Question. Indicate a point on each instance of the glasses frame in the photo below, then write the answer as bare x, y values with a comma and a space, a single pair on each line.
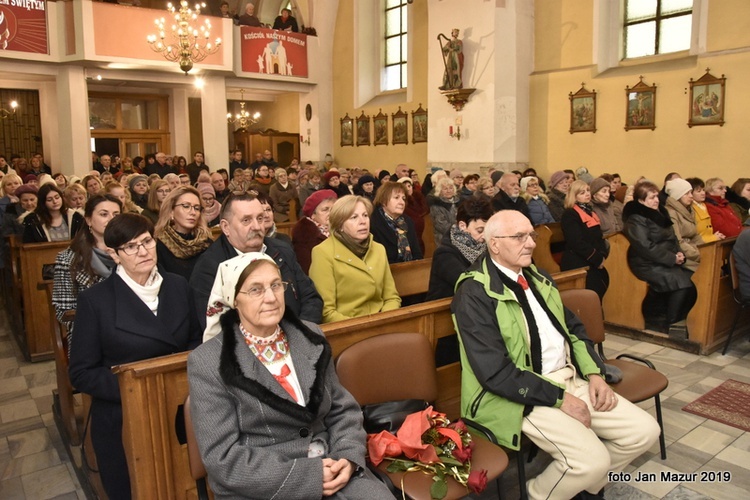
187, 207
259, 293
148, 244
521, 237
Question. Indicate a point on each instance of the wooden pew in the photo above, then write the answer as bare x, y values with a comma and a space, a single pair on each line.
710, 319
550, 236
412, 278
152, 391
35, 339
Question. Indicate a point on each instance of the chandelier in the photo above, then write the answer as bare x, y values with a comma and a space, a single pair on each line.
244, 119
189, 44
5, 113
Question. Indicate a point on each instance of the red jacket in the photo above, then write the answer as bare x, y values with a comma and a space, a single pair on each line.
723, 218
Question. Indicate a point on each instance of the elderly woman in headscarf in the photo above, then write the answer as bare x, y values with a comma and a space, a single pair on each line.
270, 416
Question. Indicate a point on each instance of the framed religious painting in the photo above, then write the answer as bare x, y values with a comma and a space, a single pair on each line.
400, 130
380, 124
347, 131
640, 111
419, 125
707, 100
582, 110
363, 130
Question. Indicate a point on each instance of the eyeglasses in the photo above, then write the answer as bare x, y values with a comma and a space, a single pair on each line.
257, 292
521, 237
133, 248
163, 191
187, 207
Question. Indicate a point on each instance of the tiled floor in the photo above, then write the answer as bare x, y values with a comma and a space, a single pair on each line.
34, 464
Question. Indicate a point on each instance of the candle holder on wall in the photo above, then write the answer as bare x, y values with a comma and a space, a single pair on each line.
456, 134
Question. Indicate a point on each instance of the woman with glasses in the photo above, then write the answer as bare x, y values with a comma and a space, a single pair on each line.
270, 416
137, 313
723, 218
158, 192
536, 200
52, 220
181, 232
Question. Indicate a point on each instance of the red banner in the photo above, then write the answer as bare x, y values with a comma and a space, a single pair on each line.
23, 26
273, 52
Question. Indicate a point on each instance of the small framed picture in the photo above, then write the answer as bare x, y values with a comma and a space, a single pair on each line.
582, 110
380, 123
400, 130
707, 100
347, 131
363, 130
419, 125
640, 111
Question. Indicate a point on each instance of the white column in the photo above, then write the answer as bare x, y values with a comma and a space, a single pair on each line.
214, 111
180, 124
72, 114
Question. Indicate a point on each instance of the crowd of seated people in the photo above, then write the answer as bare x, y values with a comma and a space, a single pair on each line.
340, 241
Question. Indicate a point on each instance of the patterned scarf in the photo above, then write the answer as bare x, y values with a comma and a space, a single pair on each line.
465, 244
398, 226
358, 248
182, 246
324, 229
212, 212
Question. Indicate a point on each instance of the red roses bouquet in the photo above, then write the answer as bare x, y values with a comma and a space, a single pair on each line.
429, 442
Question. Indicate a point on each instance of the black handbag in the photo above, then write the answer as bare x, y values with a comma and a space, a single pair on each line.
390, 415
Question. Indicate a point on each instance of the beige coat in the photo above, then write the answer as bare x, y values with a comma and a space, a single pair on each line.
683, 221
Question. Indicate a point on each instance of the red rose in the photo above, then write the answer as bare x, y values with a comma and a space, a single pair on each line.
462, 454
459, 426
477, 481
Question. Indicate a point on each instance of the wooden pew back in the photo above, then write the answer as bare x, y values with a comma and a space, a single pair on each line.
412, 278
710, 319
153, 389
550, 237
36, 341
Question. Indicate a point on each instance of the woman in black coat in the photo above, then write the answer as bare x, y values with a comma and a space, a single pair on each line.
391, 228
654, 256
585, 245
135, 314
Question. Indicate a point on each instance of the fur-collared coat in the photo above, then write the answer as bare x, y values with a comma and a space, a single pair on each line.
653, 248
254, 437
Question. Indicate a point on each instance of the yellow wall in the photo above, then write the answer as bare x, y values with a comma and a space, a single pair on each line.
562, 63
378, 157
281, 115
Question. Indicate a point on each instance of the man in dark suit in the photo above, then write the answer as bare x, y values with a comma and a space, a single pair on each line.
160, 167
242, 225
237, 162
248, 18
105, 165
509, 195
194, 168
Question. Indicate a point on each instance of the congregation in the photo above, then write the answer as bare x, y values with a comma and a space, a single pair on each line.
349, 225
